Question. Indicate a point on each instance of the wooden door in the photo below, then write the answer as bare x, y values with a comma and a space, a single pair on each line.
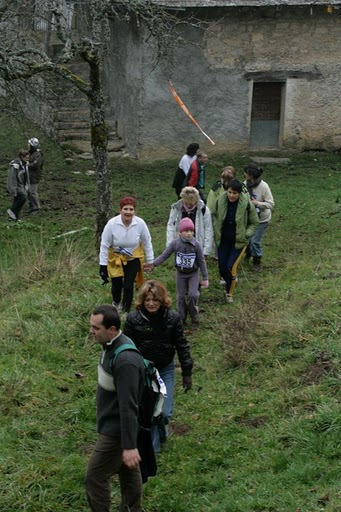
266, 114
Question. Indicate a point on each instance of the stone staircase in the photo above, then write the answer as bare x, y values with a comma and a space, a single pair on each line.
72, 120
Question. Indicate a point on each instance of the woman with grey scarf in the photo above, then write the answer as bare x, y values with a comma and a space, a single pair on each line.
190, 205
261, 197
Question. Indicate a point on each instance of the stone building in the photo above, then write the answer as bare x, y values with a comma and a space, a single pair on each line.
255, 74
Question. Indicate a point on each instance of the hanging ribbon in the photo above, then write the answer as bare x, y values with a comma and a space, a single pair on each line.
187, 112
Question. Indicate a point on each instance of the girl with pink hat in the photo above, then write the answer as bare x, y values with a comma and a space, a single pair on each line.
189, 260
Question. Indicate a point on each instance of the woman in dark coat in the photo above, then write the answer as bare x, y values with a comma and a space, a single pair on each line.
157, 331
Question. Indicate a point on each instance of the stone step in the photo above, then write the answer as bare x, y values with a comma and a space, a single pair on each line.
84, 146
68, 114
79, 133
70, 102
80, 145
73, 125
70, 135
115, 145
270, 160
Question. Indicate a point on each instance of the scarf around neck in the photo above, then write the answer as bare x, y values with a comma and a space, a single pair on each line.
254, 184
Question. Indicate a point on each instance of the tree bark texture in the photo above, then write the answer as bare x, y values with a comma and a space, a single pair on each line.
99, 143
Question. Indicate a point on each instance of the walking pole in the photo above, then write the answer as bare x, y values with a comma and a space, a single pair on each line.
234, 270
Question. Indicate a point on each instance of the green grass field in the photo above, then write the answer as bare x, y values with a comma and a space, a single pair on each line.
261, 429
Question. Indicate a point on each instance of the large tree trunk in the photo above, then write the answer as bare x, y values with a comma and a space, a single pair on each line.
99, 143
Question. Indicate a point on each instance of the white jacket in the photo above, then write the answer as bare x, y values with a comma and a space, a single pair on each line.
263, 195
116, 235
203, 225
185, 163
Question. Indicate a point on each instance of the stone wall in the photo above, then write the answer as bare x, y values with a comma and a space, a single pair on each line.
214, 73
288, 41
124, 84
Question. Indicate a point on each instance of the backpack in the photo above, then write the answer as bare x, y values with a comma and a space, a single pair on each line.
150, 409
154, 391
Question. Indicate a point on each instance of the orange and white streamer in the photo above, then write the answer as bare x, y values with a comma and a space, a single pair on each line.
187, 112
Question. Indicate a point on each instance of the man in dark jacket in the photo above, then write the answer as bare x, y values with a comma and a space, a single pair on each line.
35, 167
18, 184
119, 393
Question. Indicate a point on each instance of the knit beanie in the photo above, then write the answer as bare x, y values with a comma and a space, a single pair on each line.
186, 224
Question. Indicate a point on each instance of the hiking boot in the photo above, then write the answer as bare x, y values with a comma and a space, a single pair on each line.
257, 267
117, 305
11, 214
228, 298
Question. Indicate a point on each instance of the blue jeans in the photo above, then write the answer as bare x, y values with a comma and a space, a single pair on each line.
256, 240
167, 374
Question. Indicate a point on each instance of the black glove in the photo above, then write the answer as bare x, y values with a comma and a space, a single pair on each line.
103, 272
187, 382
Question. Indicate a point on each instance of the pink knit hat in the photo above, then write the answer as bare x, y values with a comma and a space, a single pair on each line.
186, 224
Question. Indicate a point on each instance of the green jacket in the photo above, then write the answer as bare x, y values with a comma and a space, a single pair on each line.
246, 219
216, 191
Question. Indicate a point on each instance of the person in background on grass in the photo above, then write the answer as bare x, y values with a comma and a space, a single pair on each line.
196, 173
189, 259
35, 167
183, 167
220, 186
18, 182
235, 220
157, 331
124, 241
119, 393
262, 199
190, 205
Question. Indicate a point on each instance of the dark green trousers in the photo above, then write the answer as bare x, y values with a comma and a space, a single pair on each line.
105, 461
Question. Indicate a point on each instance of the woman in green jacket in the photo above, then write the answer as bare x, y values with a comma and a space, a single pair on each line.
220, 186
234, 222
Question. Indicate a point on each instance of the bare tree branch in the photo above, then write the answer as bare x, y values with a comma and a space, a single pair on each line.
25, 54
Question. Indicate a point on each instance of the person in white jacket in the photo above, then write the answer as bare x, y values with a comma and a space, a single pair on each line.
190, 205
261, 197
124, 243
183, 167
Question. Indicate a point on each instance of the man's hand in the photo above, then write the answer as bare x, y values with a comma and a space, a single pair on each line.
131, 458
204, 283
186, 382
103, 272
